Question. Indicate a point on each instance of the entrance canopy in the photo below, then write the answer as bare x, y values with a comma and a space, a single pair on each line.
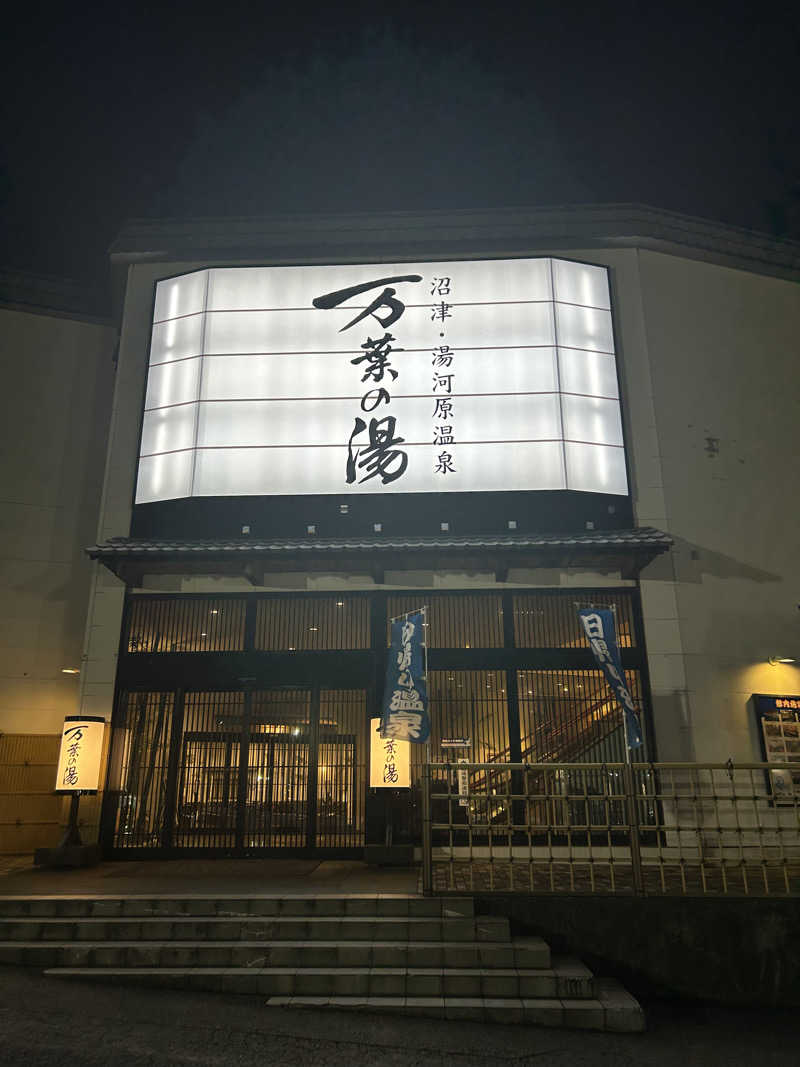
626, 551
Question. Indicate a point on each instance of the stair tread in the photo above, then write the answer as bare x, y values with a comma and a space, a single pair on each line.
499, 972
208, 942
27, 898
549, 1011
322, 919
589, 1003
63, 971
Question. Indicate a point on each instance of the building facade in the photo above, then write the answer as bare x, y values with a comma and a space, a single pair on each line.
321, 424
58, 364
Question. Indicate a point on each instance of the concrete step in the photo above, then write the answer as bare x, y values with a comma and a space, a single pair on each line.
277, 928
612, 1008
234, 906
569, 980
526, 953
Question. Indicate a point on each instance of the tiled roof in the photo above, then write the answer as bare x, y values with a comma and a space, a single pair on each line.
643, 538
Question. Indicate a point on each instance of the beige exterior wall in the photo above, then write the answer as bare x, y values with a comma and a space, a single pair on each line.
58, 377
722, 346
108, 592
31, 815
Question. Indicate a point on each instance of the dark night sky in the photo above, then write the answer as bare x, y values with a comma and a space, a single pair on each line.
159, 109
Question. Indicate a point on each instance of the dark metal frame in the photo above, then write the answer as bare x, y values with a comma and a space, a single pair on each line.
166, 848
363, 669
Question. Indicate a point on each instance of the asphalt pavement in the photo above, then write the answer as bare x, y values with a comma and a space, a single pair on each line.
46, 1021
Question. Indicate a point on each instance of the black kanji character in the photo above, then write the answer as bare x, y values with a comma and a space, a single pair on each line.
386, 299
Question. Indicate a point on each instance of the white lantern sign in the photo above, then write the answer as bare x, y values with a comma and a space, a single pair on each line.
389, 760
462, 376
80, 754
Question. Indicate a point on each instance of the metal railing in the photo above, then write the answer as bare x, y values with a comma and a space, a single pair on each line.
689, 829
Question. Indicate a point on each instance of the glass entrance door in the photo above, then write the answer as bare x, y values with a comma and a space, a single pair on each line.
245, 772
275, 811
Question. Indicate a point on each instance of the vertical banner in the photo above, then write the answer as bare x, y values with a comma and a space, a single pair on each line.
602, 636
80, 754
463, 783
404, 714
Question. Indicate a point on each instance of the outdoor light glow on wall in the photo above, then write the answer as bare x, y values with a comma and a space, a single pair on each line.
382, 378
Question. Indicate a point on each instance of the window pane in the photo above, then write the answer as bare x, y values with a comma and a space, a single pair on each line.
596, 468
581, 283
189, 624
309, 623
590, 373
572, 716
592, 419
455, 621
584, 328
550, 620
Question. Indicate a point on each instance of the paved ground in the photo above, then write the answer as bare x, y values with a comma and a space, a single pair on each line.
49, 1021
44, 1021
269, 876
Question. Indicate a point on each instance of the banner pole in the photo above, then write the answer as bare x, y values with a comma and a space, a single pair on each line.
425, 668
72, 835
610, 662
409, 646
628, 760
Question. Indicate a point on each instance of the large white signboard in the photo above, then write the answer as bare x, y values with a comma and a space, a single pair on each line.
382, 378
80, 753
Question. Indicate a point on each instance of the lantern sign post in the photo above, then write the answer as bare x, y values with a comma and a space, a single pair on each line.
389, 760
78, 772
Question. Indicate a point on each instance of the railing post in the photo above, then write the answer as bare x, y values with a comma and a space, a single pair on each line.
633, 824
427, 857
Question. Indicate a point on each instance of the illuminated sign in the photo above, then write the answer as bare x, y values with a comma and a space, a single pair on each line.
382, 378
79, 757
463, 783
779, 717
389, 760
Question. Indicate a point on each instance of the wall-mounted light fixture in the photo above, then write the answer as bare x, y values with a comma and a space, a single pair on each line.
70, 670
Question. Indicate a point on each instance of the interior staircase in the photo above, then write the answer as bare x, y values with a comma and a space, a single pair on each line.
383, 953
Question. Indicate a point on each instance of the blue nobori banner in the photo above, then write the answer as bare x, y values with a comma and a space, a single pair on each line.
405, 702
602, 635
